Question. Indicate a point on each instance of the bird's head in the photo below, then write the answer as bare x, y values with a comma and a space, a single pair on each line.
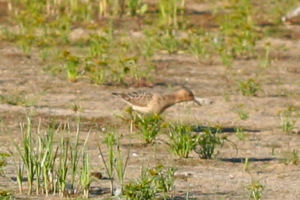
185, 94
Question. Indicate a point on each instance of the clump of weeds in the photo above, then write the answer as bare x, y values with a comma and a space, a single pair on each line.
137, 7
266, 60
208, 141
238, 34
291, 157
17, 98
242, 113
154, 182
169, 10
255, 190
287, 119
51, 167
148, 126
201, 46
3, 162
240, 133
115, 163
250, 87
72, 64
169, 42
182, 141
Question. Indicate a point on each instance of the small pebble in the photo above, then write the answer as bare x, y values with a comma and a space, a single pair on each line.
135, 155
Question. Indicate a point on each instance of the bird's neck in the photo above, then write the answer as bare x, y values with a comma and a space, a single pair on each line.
169, 100
172, 99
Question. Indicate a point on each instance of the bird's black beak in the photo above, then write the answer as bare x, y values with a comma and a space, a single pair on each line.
197, 102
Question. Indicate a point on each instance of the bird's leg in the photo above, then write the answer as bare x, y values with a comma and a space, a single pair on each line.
131, 129
129, 110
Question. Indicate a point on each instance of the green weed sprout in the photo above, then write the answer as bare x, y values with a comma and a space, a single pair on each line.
255, 190
85, 178
149, 126
250, 87
152, 183
27, 154
207, 143
287, 122
115, 163
182, 142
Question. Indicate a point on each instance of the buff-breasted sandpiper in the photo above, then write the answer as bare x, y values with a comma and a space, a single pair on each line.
152, 102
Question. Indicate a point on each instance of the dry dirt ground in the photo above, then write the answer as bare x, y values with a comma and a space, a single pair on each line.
222, 178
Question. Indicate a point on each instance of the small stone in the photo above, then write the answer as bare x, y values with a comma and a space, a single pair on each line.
118, 192
135, 155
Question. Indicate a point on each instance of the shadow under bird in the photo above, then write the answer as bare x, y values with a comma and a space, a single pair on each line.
152, 102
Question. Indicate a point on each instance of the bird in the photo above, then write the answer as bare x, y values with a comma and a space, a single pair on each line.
156, 103
292, 17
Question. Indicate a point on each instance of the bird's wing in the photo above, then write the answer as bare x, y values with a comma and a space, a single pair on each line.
137, 98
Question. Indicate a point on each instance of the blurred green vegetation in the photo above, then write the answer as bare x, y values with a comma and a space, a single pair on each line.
113, 41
